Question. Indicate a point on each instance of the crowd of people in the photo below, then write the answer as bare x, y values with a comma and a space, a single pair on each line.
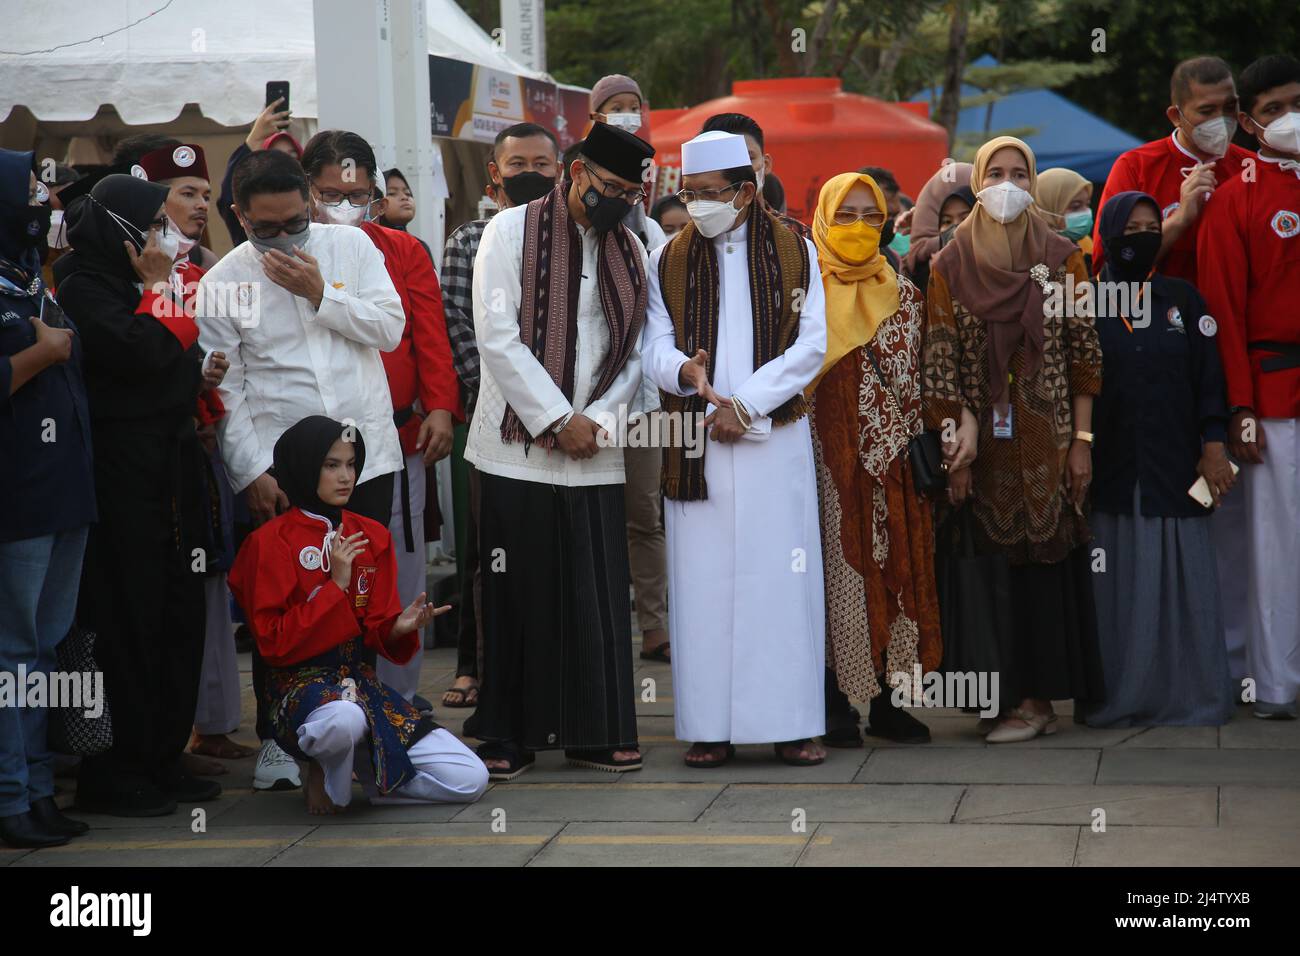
984, 432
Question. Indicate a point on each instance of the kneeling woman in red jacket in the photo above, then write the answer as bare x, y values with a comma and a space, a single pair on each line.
319, 585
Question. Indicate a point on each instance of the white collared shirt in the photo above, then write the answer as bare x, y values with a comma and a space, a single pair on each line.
511, 374
288, 360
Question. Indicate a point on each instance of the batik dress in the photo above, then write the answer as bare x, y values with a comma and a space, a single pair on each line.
882, 613
312, 633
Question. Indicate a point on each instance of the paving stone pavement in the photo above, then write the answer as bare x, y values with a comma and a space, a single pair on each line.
1179, 796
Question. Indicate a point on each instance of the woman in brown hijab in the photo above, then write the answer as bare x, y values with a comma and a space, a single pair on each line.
1011, 367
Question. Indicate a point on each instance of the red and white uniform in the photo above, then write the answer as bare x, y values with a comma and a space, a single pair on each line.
296, 611
1156, 168
1249, 259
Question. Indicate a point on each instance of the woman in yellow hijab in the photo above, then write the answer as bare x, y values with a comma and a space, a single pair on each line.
882, 615
1064, 198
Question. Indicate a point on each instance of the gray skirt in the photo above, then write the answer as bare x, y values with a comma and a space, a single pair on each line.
1159, 623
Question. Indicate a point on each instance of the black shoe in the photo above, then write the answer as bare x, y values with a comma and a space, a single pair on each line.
122, 795
23, 832
46, 813
894, 723
185, 787
422, 705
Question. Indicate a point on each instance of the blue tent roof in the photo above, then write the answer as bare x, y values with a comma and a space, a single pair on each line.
1068, 135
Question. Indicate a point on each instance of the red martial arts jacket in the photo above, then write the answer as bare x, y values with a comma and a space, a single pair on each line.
1155, 168
420, 367
295, 609
1249, 260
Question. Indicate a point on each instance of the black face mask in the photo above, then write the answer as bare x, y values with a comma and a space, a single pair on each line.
30, 226
887, 231
523, 188
1132, 256
605, 213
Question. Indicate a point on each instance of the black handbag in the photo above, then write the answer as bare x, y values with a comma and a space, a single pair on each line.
71, 731
924, 453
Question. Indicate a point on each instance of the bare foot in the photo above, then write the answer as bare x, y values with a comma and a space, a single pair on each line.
318, 801
621, 755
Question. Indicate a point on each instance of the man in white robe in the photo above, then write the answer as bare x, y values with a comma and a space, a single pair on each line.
746, 607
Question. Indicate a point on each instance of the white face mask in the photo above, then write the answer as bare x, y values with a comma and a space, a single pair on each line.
1213, 136
1004, 201
183, 242
57, 238
628, 121
169, 243
712, 217
344, 214
758, 174
1283, 134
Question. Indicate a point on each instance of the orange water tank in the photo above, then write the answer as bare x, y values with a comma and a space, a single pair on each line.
812, 129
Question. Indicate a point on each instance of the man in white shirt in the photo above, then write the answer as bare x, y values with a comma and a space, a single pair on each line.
560, 293
302, 311
736, 329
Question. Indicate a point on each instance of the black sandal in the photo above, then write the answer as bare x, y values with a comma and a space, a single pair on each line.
796, 761
710, 764
847, 736
660, 654
603, 760
518, 759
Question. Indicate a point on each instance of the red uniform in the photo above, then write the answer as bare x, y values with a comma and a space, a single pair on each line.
1249, 260
420, 367
1155, 169
296, 611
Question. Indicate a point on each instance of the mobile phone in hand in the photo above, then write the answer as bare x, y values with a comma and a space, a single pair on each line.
277, 89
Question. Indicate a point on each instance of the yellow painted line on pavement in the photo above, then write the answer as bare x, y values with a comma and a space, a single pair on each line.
684, 839
506, 839
200, 843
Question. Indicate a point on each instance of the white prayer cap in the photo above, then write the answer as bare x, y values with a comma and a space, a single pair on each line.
712, 151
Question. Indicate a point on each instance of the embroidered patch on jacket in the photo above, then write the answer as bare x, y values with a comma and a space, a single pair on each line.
1285, 223
365, 578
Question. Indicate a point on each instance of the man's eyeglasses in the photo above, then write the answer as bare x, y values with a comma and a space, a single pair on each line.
630, 196
332, 197
844, 217
270, 230
706, 195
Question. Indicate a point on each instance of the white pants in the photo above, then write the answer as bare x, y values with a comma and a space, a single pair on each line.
1230, 530
412, 572
217, 711
446, 770
1273, 606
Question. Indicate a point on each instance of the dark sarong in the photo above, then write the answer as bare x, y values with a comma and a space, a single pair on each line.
557, 619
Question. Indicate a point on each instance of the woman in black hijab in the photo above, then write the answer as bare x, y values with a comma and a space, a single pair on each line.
142, 590
1160, 425
297, 459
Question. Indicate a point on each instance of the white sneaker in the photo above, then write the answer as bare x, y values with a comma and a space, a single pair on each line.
275, 770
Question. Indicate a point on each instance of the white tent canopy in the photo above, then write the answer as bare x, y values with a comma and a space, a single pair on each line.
216, 54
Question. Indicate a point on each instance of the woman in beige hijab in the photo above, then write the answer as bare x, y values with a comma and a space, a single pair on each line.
1063, 199
1010, 372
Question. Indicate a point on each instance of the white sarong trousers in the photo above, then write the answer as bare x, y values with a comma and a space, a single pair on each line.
448, 771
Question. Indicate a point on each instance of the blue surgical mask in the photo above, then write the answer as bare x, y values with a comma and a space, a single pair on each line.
1077, 224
